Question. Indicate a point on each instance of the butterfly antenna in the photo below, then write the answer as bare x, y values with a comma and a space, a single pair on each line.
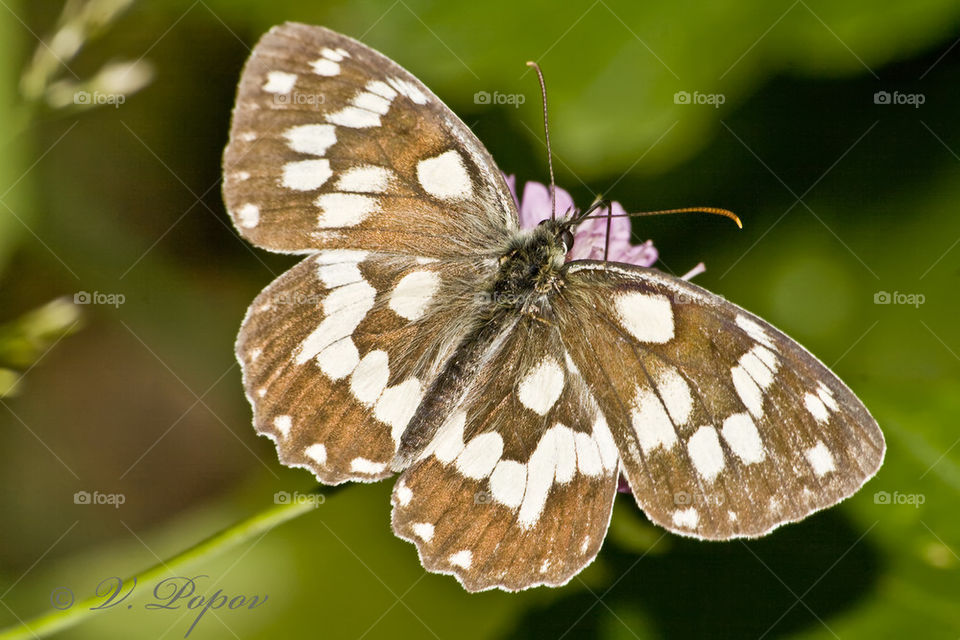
546, 135
712, 210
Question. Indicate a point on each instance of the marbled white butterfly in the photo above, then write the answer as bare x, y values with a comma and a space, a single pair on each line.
424, 334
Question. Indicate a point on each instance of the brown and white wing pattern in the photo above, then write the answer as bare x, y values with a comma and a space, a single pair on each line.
337, 352
517, 487
725, 426
333, 145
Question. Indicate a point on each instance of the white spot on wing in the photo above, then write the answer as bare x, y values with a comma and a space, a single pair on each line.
743, 438
675, 393
755, 331
370, 377
566, 453
588, 455
686, 518
481, 455
541, 469
317, 452
382, 89
325, 67
651, 422
365, 179
508, 481
816, 408
408, 89
279, 82
706, 453
541, 386
306, 175
249, 216
445, 176
314, 139
404, 494
344, 308
449, 442
826, 396
283, 424
339, 274
462, 559
331, 54
423, 530
820, 459
413, 294
362, 465
609, 454
397, 405
343, 209
757, 362
371, 102
339, 359
648, 317
747, 389
354, 117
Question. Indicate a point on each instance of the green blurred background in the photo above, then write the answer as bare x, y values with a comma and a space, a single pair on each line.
842, 196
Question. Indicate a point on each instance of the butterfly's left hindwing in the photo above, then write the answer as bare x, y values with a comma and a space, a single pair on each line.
337, 352
726, 427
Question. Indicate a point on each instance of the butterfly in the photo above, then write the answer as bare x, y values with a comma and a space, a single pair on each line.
426, 334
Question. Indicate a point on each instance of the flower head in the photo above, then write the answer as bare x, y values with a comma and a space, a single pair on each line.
590, 236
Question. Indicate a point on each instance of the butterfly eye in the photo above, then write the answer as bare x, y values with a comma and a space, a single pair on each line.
566, 237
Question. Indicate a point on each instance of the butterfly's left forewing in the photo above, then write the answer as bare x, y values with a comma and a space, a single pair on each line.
333, 145
726, 427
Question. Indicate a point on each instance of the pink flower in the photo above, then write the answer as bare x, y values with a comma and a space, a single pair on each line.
589, 236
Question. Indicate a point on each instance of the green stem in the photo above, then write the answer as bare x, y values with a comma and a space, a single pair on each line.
56, 620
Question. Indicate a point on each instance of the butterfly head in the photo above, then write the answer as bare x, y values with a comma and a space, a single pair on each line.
531, 266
